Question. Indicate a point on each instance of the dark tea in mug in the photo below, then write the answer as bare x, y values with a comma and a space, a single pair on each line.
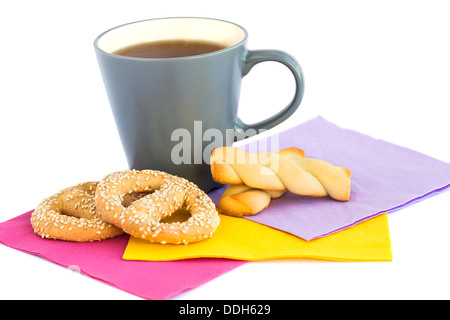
169, 49
174, 85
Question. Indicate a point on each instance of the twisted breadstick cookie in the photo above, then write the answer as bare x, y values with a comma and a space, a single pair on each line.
241, 200
273, 173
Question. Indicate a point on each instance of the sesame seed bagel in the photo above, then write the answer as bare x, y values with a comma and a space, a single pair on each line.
71, 215
157, 195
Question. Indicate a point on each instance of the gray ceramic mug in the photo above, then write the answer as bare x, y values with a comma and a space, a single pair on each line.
165, 109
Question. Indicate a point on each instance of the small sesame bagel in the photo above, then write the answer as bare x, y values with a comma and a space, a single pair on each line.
157, 195
71, 215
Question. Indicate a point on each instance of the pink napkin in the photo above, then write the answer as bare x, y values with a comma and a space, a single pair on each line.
385, 177
103, 261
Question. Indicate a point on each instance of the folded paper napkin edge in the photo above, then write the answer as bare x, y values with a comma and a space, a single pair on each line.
331, 248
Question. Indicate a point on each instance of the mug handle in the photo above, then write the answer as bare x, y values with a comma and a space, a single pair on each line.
254, 57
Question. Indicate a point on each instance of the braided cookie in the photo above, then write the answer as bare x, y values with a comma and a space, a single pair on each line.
71, 215
276, 173
159, 195
241, 200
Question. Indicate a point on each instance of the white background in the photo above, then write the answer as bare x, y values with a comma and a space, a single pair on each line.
378, 67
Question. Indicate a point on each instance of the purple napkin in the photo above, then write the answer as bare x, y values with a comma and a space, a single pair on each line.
385, 178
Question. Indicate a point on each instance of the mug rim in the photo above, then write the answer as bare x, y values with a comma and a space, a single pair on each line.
229, 48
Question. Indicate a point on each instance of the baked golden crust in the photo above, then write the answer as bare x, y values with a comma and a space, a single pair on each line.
242, 200
71, 215
165, 195
287, 169
253, 174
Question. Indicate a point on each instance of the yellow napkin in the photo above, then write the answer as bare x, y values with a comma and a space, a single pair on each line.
242, 239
